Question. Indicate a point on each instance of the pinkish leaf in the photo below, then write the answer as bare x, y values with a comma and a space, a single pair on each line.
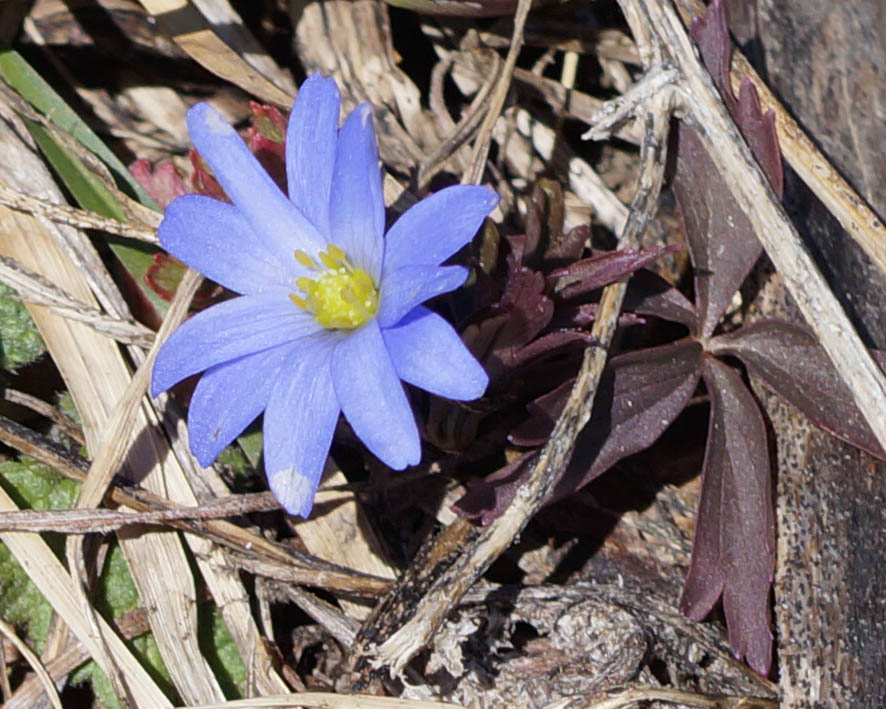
164, 275
265, 139
590, 274
161, 181
733, 553
650, 294
789, 360
202, 181
268, 122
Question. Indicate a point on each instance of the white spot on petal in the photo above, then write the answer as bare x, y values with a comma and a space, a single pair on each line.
216, 122
294, 491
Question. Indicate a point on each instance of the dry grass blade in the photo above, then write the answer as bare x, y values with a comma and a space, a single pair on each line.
251, 552
77, 350
99, 521
190, 30
474, 173
48, 687
53, 581
71, 656
116, 444
81, 218
338, 518
323, 700
39, 406
35, 289
623, 698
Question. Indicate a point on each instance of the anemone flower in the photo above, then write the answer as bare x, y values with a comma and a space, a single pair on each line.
329, 318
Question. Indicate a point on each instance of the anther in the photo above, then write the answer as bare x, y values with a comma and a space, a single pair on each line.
304, 259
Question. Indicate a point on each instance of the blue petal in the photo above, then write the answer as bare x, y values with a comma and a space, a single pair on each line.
435, 228
228, 398
226, 331
250, 188
372, 397
310, 149
406, 287
299, 423
428, 353
357, 214
214, 238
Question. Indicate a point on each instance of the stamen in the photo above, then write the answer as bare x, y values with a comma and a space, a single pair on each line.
336, 253
341, 297
304, 259
328, 261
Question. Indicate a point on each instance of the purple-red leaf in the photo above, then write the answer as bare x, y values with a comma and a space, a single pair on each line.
486, 498
568, 246
758, 129
789, 360
650, 294
543, 414
711, 34
646, 390
733, 554
590, 274
721, 240
639, 396
722, 243
547, 345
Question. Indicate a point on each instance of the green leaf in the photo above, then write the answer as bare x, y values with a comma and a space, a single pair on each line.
251, 443
36, 486
91, 193
221, 652
20, 342
32, 486
87, 188
31, 86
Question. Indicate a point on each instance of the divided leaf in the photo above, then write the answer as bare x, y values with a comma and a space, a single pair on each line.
487, 498
722, 242
640, 395
733, 553
582, 277
650, 294
791, 362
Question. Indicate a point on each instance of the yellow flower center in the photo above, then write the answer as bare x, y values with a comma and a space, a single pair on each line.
341, 297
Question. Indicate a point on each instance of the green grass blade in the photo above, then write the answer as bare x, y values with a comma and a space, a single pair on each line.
16, 72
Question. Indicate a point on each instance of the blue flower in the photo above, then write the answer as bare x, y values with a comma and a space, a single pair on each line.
329, 318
